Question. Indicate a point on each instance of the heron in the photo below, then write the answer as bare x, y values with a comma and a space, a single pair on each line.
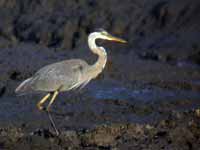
67, 75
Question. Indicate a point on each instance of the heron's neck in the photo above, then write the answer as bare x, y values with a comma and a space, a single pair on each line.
99, 65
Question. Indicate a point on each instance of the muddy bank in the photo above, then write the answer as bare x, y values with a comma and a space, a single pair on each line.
148, 25
178, 129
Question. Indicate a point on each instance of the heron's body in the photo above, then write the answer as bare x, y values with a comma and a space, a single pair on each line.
69, 74
64, 75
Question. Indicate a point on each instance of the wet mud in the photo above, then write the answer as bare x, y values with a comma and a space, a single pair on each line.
147, 97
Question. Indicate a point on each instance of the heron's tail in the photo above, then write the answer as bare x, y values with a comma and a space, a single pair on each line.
24, 87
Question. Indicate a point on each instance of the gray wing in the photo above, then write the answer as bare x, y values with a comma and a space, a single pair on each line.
64, 75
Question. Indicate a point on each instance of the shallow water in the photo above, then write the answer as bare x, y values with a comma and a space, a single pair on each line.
101, 102
114, 90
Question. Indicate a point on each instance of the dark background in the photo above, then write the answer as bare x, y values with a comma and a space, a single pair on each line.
147, 96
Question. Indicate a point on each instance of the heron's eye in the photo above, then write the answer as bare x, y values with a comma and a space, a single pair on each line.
104, 33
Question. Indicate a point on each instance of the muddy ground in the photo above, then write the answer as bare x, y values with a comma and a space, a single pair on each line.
147, 97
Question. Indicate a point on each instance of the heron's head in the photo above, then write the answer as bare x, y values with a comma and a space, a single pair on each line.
102, 34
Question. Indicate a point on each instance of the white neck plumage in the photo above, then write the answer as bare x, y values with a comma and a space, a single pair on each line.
100, 51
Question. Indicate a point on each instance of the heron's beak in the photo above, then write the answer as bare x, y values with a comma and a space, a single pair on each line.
112, 38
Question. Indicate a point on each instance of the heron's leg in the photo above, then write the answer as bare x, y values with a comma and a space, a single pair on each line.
53, 123
52, 100
42, 101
